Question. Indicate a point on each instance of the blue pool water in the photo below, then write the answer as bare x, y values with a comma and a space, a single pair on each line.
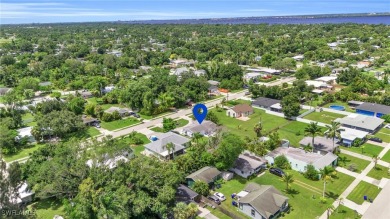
336, 107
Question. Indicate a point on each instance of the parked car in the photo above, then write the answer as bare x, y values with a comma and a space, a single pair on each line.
387, 126
214, 199
97, 125
136, 115
131, 113
276, 171
376, 139
220, 196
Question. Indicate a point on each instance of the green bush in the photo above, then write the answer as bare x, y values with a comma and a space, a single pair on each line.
107, 117
311, 173
282, 162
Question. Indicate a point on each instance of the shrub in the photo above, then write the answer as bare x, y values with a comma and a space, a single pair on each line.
282, 162
352, 167
311, 173
116, 115
201, 187
107, 117
386, 118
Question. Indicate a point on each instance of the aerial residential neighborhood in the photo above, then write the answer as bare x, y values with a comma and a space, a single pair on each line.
255, 117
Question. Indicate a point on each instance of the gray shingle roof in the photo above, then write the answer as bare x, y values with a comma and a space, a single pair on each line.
206, 174
265, 102
159, 146
325, 161
374, 107
264, 198
206, 126
248, 161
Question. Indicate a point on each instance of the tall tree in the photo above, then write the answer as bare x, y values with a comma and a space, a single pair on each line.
288, 179
327, 174
313, 130
333, 132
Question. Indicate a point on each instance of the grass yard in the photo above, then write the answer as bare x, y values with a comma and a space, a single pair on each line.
340, 103
384, 134
360, 164
181, 122
386, 157
157, 129
88, 133
117, 124
368, 150
362, 189
28, 119
294, 132
245, 128
379, 172
47, 208
137, 148
343, 212
324, 117
301, 199
25, 152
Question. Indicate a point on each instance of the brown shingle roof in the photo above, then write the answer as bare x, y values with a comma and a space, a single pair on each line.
241, 108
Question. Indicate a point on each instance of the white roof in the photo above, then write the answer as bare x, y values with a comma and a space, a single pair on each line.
252, 75
242, 194
352, 134
25, 131
361, 121
110, 163
315, 83
298, 57
317, 91
326, 78
276, 106
263, 69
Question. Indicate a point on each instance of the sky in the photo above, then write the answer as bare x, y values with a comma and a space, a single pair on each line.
45, 11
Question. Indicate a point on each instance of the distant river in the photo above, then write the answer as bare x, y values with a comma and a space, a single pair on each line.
278, 20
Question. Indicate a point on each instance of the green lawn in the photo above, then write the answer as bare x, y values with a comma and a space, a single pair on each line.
294, 132
47, 208
181, 122
384, 134
360, 164
379, 172
368, 150
301, 200
25, 152
157, 129
343, 212
245, 128
324, 117
347, 108
137, 148
117, 124
87, 133
386, 157
362, 189
91, 131
28, 119
218, 213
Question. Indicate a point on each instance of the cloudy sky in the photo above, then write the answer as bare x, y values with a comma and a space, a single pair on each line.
45, 11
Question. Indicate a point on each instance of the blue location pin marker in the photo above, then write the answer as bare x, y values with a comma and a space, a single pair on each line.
199, 116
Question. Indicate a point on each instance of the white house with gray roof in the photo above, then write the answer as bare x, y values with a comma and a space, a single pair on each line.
159, 148
262, 201
206, 128
368, 124
300, 159
248, 164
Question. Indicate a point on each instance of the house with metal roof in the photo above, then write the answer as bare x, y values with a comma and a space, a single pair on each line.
299, 159
361, 122
160, 149
248, 164
373, 109
262, 201
207, 174
206, 128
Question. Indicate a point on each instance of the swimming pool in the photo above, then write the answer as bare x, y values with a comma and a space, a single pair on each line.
337, 107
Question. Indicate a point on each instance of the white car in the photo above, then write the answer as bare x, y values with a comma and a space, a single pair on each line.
387, 126
220, 196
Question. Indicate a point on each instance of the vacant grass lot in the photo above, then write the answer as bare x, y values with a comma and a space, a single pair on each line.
343, 212
245, 128
384, 134
346, 160
324, 117
25, 152
386, 157
368, 149
28, 119
294, 132
137, 148
47, 208
301, 200
117, 124
379, 172
362, 189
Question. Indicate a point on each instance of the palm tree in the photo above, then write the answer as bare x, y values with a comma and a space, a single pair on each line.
333, 131
171, 149
341, 201
313, 130
329, 210
375, 158
288, 179
258, 128
327, 174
